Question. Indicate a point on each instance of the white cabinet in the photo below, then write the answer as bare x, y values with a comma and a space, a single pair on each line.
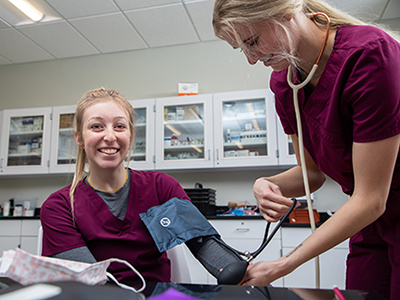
245, 129
25, 141
332, 263
63, 149
10, 231
29, 235
286, 154
184, 132
242, 235
236, 129
19, 233
222, 130
143, 148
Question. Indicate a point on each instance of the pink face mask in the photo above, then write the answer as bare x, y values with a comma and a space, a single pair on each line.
26, 268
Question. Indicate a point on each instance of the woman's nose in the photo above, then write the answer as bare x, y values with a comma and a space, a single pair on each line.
251, 58
109, 135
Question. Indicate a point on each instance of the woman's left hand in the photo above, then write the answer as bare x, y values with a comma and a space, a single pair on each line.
263, 273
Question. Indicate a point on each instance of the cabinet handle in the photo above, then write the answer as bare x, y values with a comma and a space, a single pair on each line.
1, 164
242, 229
217, 154
209, 154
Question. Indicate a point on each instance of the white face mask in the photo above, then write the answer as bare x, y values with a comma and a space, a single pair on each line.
26, 268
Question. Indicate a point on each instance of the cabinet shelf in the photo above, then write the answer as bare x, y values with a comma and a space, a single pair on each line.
184, 147
261, 142
29, 133
185, 127
244, 118
24, 154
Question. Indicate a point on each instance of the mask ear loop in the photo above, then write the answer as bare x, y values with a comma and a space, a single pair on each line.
124, 286
296, 88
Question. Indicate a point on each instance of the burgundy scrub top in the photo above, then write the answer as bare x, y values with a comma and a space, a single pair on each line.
357, 99
104, 234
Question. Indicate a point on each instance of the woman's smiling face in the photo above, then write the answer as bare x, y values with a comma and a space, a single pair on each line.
105, 135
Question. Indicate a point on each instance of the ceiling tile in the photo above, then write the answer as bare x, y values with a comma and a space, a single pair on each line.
366, 10
201, 14
164, 25
78, 8
130, 5
4, 61
3, 24
392, 10
19, 49
109, 33
60, 39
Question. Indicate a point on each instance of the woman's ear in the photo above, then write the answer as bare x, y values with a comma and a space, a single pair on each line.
288, 17
78, 141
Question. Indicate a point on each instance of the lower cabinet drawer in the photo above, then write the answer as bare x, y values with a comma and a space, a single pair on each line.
242, 228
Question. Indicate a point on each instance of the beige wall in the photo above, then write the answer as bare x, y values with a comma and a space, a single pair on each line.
215, 66
139, 74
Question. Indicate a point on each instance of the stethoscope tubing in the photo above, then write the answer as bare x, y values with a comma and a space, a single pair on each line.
296, 88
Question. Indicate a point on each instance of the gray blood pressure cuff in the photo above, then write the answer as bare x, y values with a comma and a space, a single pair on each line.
178, 221
175, 222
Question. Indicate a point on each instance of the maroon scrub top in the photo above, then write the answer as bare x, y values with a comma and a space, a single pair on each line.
104, 234
357, 99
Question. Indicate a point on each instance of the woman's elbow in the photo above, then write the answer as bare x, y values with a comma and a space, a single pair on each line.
318, 179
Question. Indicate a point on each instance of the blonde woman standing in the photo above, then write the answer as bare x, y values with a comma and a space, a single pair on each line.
350, 112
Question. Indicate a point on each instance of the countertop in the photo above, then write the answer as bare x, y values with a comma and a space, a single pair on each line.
189, 291
324, 216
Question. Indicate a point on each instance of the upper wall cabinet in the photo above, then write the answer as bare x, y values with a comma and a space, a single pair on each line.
184, 132
25, 141
223, 130
63, 145
142, 155
245, 129
286, 155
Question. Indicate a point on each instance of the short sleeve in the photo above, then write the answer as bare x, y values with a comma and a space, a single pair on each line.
373, 92
168, 188
59, 231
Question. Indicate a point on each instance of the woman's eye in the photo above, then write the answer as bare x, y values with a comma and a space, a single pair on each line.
121, 126
96, 127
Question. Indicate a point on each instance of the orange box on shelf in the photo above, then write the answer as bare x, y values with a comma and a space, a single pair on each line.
300, 215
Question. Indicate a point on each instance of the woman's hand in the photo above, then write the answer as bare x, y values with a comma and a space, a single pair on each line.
264, 272
273, 205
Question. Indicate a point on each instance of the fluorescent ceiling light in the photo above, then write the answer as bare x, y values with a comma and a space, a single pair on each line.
28, 9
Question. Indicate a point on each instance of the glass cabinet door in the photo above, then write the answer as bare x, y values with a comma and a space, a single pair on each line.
246, 125
24, 141
63, 150
185, 132
142, 154
139, 145
287, 155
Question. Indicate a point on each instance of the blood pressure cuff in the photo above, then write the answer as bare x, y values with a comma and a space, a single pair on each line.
175, 222
179, 221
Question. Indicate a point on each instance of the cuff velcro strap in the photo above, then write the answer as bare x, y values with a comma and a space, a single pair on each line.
175, 222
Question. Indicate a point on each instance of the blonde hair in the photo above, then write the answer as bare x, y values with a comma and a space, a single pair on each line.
228, 14
88, 99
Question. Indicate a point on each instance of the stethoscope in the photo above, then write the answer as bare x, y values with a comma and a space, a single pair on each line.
234, 272
296, 89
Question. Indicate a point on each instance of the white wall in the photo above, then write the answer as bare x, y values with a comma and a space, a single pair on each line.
138, 75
